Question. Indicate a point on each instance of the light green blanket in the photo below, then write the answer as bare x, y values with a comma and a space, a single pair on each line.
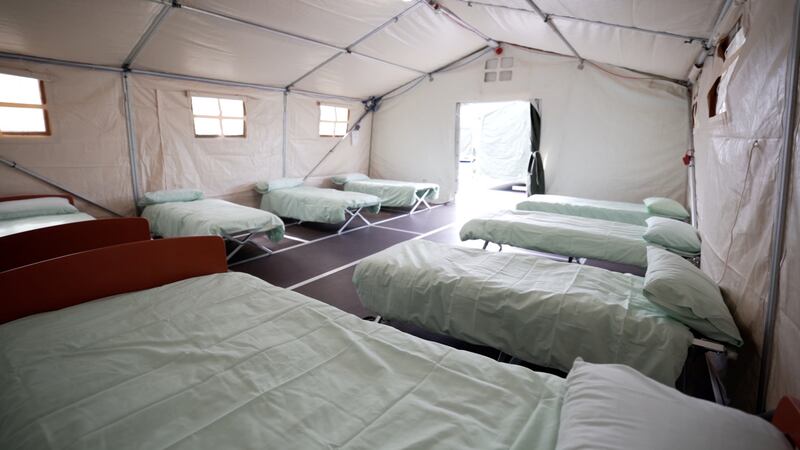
394, 193
14, 226
210, 217
536, 309
228, 361
563, 235
313, 204
632, 213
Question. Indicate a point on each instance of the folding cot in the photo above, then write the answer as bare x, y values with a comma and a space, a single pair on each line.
538, 310
582, 237
632, 213
175, 352
186, 213
392, 193
21, 213
289, 198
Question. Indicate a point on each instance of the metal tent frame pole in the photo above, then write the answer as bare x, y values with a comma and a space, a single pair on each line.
131, 132
711, 42
285, 139
690, 169
555, 29
779, 223
30, 173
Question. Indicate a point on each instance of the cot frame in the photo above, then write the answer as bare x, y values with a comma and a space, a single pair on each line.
242, 238
421, 200
353, 212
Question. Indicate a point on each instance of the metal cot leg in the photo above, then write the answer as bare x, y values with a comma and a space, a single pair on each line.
353, 215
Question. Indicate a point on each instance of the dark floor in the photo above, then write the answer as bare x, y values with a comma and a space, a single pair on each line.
315, 261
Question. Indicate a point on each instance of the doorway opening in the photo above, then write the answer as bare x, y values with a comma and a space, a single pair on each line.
496, 143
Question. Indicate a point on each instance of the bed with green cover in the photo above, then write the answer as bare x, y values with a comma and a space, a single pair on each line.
625, 212
393, 193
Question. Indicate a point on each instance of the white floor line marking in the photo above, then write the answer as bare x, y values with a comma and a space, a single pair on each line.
351, 264
295, 238
397, 229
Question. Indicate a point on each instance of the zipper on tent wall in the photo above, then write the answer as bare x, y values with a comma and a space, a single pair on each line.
779, 223
32, 174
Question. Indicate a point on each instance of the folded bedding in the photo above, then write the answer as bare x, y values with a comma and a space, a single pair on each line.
210, 217
561, 234
391, 192
229, 361
313, 204
632, 213
541, 311
13, 226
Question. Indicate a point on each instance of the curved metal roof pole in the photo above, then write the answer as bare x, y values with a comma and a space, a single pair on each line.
555, 29
779, 224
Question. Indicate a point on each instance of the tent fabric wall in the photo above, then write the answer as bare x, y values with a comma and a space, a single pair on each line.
87, 150
632, 132
737, 155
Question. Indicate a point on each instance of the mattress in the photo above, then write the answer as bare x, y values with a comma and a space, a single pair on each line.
229, 361
632, 213
563, 235
394, 193
210, 217
313, 204
14, 226
541, 311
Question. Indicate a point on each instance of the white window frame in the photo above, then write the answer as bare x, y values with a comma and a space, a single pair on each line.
42, 106
220, 117
334, 122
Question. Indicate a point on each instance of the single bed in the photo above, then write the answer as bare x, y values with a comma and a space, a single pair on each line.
631, 213
393, 193
173, 215
571, 236
313, 204
177, 353
20, 213
538, 310
32, 246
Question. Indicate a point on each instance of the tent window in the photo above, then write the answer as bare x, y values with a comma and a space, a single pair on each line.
333, 120
23, 107
498, 69
218, 117
732, 42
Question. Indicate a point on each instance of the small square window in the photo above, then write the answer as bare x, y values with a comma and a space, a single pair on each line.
491, 64
506, 62
333, 120
23, 109
218, 117
505, 75
488, 77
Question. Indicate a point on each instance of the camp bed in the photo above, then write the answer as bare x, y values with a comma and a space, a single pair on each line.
32, 246
203, 217
571, 236
533, 308
632, 213
313, 204
392, 193
177, 353
28, 212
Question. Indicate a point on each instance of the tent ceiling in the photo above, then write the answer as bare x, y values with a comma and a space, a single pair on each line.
96, 31
232, 41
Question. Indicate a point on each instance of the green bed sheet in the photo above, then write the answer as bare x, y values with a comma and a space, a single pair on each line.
13, 226
229, 361
313, 204
536, 309
210, 217
394, 193
563, 235
632, 213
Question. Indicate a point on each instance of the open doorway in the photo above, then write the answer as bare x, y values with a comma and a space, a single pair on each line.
497, 144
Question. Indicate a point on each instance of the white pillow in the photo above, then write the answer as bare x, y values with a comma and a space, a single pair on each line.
42, 206
348, 177
611, 406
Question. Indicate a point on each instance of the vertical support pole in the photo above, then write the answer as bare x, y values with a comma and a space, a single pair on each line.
779, 224
285, 131
129, 125
690, 170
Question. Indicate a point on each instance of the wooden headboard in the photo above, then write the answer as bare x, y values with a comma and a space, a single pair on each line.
80, 277
50, 242
26, 197
787, 418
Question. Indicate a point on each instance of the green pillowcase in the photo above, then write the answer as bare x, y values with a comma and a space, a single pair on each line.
170, 195
281, 183
667, 207
43, 206
673, 235
688, 295
348, 177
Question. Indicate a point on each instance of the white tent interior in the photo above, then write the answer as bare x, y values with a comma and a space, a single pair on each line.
624, 88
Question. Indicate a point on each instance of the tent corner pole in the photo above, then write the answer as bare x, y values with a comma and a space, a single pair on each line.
131, 134
691, 166
285, 132
779, 223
